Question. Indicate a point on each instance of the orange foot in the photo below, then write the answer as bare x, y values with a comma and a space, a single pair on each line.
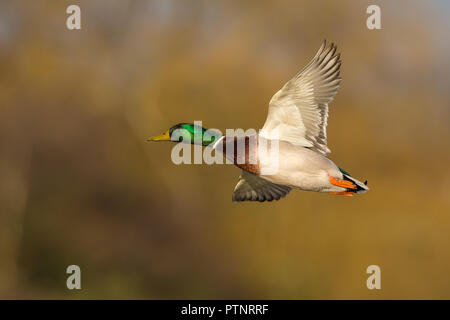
342, 183
345, 193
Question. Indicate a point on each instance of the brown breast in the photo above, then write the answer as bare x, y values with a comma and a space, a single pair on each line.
243, 152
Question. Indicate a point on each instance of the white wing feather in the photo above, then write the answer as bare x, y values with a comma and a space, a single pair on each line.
298, 112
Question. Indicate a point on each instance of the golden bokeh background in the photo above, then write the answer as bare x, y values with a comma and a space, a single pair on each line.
80, 184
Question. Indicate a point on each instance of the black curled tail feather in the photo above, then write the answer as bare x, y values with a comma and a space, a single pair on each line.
359, 186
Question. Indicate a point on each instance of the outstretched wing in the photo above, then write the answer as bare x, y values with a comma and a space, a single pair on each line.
250, 187
298, 112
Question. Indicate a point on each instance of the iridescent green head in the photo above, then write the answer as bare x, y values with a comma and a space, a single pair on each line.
188, 133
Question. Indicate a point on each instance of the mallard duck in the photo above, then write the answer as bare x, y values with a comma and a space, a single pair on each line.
296, 121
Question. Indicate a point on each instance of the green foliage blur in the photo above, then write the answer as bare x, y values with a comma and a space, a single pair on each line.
80, 185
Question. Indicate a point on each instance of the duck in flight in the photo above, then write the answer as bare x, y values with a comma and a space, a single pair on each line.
297, 121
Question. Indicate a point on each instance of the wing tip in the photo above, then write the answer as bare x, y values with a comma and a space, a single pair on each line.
277, 193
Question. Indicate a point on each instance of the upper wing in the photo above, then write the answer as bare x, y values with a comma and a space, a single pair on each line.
298, 112
250, 187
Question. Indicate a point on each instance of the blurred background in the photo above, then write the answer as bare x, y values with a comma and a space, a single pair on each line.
80, 185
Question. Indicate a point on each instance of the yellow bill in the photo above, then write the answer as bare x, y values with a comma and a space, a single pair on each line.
162, 137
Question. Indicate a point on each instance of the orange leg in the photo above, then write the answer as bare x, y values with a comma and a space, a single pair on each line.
342, 183
345, 193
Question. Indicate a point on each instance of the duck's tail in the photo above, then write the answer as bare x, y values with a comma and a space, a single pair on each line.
360, 187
